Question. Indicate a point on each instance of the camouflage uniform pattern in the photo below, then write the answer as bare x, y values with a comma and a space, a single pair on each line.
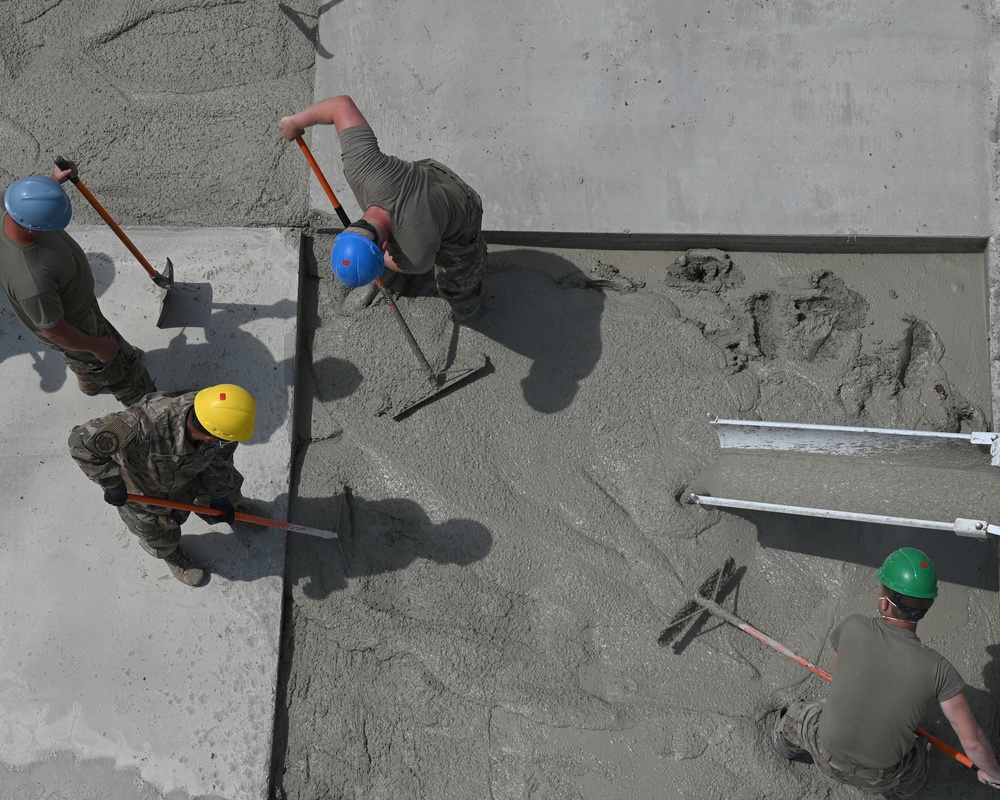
460, 265
148, 448
800, 730
124, 375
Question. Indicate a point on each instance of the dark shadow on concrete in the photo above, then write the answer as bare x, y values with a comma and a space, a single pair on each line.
535, 303
959, 559
186, 365
311, 32
376, 537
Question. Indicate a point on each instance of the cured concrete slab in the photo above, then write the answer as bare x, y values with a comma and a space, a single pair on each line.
108, 665
767, 118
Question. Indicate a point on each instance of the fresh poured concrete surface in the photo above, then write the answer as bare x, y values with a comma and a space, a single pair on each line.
136, 684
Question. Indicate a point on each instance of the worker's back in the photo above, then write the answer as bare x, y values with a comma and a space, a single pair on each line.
884, 681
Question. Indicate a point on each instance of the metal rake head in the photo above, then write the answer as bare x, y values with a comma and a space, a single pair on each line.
689, 618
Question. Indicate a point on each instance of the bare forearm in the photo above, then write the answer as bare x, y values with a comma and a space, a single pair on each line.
982, 755
339, 111
71, 338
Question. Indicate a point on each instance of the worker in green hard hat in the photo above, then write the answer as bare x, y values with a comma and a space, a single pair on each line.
884, 682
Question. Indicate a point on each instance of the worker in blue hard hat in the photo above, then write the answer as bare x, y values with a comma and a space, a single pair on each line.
884, 681
420, 213
50, 287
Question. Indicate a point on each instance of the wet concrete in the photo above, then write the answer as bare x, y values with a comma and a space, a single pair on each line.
516, 547
513, 550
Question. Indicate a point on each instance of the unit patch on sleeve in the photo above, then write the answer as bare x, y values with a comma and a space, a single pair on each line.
115, 434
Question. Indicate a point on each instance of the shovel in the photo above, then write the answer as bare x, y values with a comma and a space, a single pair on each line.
164, 280
433, 382
704, 601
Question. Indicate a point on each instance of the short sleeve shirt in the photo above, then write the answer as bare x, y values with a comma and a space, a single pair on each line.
885, 681
425, 205
46, 281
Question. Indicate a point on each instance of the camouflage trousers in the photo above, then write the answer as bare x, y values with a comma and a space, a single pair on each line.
124, 375
800, 729
460, 264
159, 529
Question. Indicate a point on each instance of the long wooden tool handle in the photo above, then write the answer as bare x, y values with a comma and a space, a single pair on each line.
253, 520
62, 164
746, 627
322, 180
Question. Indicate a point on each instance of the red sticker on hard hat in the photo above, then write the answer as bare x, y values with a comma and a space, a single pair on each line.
346, 262
222, 395
924, 564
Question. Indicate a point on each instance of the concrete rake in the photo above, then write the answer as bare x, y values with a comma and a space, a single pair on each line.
718, 584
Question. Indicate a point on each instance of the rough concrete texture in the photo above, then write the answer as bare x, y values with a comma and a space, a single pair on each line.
515, 548
168, 107
116, 679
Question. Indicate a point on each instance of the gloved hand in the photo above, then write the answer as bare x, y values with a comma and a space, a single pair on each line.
227, 508
116, 495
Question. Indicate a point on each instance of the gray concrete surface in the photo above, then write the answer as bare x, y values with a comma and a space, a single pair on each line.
493, 629
109, 665
769, 117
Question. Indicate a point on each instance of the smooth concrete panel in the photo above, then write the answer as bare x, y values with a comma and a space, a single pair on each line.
103, 654
759, 118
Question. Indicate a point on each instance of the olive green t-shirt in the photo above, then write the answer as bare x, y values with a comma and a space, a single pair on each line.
426, 205
47, 280
884, 682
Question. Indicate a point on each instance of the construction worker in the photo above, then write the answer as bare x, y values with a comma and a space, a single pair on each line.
177, 446
884, 681
420, 213
50, 287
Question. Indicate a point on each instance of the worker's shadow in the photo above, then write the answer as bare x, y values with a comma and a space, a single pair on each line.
545, 308
228, 354
49, 365
374, 538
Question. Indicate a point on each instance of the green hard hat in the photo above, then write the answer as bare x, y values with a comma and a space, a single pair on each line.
909, 571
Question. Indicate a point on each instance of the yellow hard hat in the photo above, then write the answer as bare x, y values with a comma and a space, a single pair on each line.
226, 411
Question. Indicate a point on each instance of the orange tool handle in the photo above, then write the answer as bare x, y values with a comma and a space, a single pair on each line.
322, 180
253, 520
108, 219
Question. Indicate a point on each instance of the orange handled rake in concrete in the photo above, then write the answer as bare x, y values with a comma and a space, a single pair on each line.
164, 280
705, 602
214, 512
434, 382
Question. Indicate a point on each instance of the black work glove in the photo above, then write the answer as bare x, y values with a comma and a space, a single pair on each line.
227, 508
116, 495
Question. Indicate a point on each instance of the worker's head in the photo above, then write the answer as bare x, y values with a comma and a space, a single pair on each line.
908, 584
38, 203
226, 412
357, 259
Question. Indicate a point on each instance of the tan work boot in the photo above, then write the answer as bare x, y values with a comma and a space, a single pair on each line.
184, 568
88, 387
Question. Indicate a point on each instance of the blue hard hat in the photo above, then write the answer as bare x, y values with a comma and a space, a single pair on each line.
39, 203
356, 260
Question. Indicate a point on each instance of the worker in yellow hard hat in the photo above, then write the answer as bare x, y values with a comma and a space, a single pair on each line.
173, 445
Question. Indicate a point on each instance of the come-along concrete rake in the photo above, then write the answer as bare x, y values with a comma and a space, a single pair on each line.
704, 602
